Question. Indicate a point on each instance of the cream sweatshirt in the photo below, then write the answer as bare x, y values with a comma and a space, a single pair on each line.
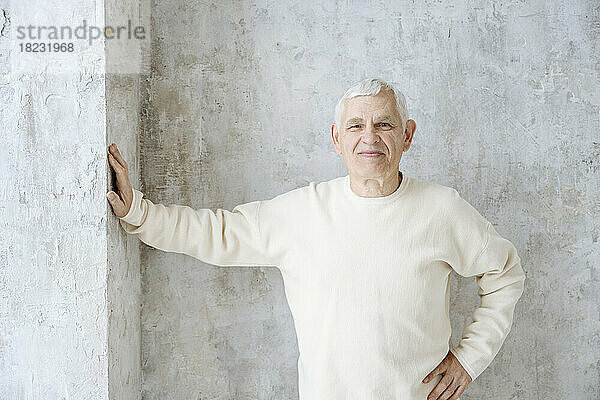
366, 279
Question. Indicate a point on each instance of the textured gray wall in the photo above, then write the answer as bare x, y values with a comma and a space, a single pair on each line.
123, 107
124, 278
506, 99
69, 277
237, 108
53, 237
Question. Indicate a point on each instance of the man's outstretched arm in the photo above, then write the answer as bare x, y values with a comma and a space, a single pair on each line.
223, 238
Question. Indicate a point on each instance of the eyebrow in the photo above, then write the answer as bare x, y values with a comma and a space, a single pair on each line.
384, 118
356, 120
353, 121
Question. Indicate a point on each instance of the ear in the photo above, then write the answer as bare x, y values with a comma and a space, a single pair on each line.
336, 139
409, 132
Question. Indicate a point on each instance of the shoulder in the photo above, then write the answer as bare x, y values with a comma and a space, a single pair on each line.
311, 191
448, 201
433, 192
297, 206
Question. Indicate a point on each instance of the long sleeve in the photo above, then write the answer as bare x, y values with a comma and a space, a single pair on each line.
497, 268
222, 238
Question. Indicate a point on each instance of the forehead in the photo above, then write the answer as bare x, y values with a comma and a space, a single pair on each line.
366, 106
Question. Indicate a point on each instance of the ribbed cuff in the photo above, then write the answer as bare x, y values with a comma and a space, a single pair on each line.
135, 213
464, 363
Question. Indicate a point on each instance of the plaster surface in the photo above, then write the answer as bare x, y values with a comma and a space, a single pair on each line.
236, 107
506, 99
53, 212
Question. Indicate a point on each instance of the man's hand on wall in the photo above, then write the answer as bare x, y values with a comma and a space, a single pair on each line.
455, 379
120, 202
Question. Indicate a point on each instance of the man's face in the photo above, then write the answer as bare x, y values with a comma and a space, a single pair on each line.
370, 138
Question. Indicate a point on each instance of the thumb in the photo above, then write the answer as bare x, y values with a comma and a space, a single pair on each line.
433, 373
117, 204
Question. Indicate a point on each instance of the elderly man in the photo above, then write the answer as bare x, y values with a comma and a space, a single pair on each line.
365, 260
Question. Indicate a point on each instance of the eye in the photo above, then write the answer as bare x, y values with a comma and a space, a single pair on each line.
354, 126
385, 124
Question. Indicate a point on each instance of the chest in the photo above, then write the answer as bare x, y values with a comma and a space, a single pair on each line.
367, 255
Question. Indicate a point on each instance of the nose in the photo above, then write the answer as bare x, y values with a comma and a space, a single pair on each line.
370, 136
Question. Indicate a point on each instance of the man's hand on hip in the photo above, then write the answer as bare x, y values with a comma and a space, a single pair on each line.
455, 379
120, 202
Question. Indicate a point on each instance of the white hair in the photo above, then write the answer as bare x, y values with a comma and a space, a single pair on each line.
371, 87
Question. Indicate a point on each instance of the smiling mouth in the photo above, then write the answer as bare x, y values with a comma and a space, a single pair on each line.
370, 154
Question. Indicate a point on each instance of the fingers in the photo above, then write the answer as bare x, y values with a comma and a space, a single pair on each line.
122, 202
117, 155
459, 391
429, 376
115, 164
455, 379
440, 388
450, 387
450, 391
436, 371
121, 172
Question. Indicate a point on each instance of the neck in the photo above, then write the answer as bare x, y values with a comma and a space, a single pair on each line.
375, 187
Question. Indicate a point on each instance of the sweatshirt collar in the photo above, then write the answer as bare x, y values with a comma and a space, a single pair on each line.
377, 200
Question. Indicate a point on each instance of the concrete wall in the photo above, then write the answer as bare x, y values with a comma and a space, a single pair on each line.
124, 278
237, 108
69, 276
123, 108
53, 212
